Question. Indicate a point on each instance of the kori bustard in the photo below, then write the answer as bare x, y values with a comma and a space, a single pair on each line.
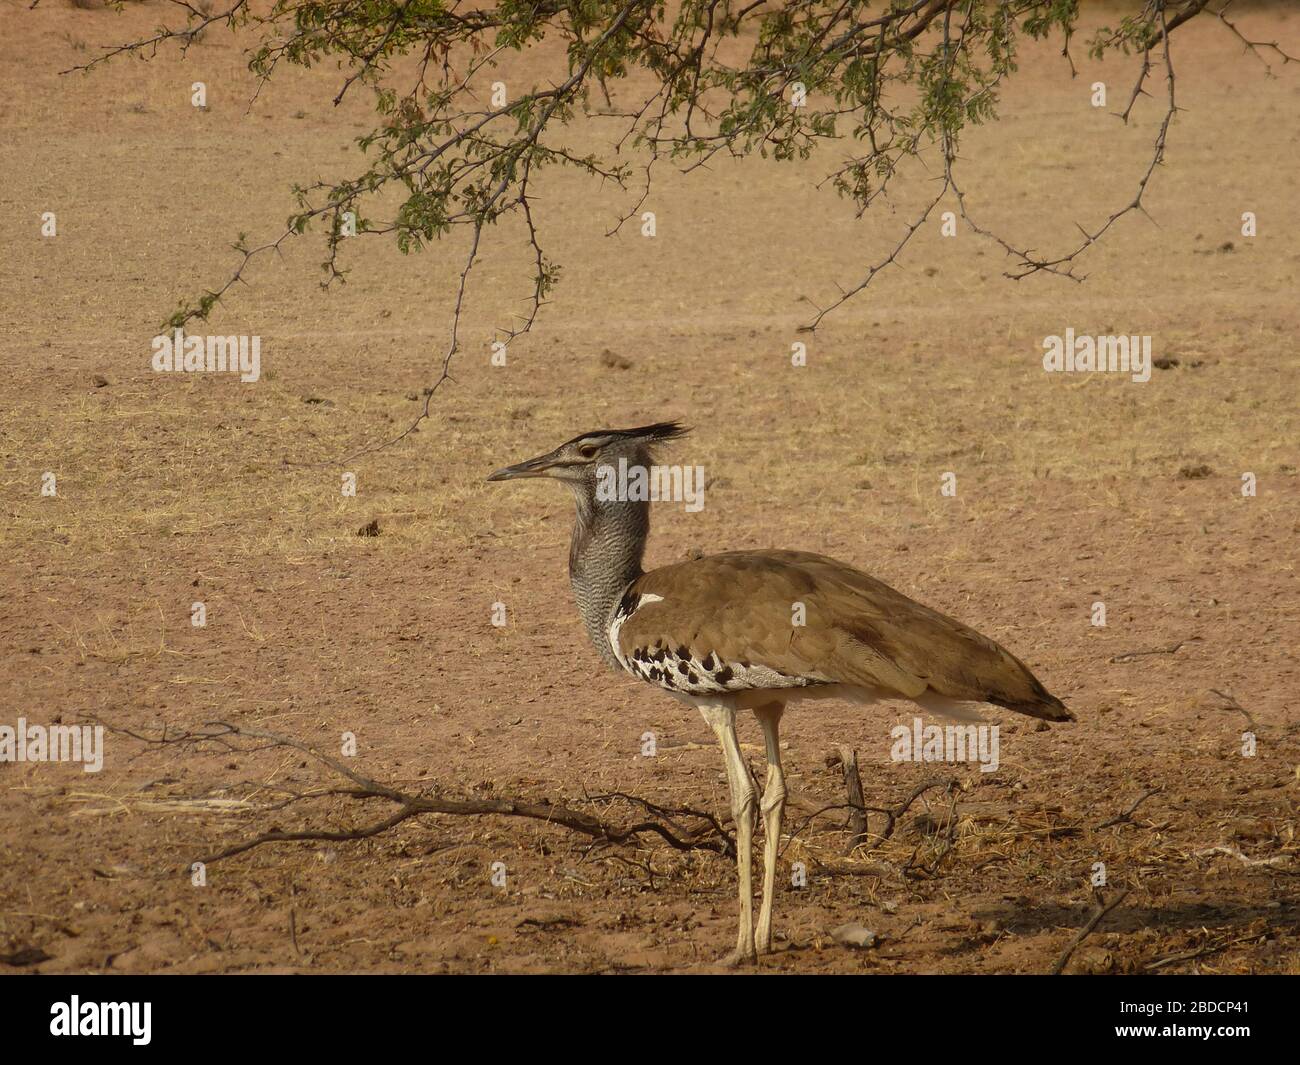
720, 632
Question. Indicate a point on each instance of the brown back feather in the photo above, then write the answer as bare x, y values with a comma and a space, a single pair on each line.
739, 606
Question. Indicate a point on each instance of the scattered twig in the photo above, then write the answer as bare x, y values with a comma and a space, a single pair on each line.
1232, 704
1126, 816
1131, 656
1209, 948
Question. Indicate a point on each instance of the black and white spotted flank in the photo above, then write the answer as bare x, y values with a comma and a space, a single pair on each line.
678, 669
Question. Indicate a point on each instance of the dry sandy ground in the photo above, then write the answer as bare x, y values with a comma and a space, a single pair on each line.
1071, 490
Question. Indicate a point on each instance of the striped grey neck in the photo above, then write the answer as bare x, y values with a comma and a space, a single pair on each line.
605, 555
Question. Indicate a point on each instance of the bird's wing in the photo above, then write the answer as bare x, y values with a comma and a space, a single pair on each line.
744, 607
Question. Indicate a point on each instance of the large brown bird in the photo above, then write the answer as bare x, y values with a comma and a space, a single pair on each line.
720, 632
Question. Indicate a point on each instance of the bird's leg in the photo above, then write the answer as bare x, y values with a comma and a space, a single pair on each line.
773, 806
723, 721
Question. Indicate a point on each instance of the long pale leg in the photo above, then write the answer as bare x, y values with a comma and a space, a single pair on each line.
773, 807
722, 719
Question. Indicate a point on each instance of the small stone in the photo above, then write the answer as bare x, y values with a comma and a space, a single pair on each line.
854, 935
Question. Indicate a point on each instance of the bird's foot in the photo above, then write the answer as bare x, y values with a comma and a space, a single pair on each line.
740, 956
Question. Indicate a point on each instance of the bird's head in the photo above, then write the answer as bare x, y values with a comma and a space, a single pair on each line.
578, 461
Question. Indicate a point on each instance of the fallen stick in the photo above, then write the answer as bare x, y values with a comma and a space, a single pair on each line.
1099, 914
708, 836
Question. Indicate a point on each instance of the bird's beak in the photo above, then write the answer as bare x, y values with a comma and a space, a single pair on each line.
537, 467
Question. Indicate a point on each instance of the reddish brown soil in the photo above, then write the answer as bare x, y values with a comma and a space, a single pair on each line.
1071, 491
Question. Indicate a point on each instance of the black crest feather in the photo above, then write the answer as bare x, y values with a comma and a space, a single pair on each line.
658, 433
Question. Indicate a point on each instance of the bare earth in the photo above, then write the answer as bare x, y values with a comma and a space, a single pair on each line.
1072, 490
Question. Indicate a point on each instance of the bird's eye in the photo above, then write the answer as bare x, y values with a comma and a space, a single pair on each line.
587, 452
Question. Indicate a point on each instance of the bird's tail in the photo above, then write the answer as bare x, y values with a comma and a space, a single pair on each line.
1043, 705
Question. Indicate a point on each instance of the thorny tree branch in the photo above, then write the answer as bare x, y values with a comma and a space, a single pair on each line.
1027, 262
899, 78
1254, 47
